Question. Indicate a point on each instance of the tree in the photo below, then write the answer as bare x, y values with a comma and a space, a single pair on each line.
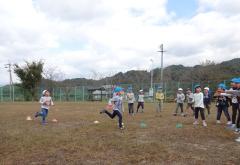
52, 75
30, 76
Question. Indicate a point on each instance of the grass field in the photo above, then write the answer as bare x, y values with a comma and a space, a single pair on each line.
75, 139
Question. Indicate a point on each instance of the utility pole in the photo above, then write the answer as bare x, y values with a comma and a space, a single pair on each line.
9, 67
162, 51
151, 73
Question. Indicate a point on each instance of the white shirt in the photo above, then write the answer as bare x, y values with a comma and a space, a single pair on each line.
190, 98
198, 100
180, 98
46, 102
130, 97
141, 98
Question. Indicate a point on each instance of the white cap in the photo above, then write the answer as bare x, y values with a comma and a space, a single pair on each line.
44, 91
141, 90
206, 88
180, 89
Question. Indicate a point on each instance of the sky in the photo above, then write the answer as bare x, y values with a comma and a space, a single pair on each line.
94, 38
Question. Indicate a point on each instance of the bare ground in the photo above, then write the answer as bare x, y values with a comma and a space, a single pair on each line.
75, 139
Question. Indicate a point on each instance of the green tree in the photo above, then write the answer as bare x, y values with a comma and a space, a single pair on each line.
30, 76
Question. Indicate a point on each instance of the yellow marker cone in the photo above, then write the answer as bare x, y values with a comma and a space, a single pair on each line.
96, 122
29, 118
54, 120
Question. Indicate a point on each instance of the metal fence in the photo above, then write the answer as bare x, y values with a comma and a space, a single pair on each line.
82, 93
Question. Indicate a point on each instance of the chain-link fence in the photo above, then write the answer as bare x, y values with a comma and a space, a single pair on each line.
84, 93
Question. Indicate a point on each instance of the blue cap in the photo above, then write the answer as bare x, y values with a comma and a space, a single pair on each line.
117, 89
237, 80
159, 87
129, 89
234, 80
222, 86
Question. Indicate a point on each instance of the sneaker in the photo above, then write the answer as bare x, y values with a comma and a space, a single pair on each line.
218, 122
36, 114
44, 123
237, 130
204, 123
182, 114
102, 111
229, 123
195, 122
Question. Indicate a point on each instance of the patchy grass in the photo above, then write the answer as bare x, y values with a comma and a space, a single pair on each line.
75, 139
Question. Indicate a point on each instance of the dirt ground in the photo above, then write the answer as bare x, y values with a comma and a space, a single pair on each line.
75, 139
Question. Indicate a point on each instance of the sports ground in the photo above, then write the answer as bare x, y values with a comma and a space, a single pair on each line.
76, 139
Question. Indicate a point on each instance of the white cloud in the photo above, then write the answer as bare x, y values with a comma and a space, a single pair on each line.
107, 36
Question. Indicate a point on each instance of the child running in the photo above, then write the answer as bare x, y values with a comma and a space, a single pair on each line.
117, 107
199, 105
46, 102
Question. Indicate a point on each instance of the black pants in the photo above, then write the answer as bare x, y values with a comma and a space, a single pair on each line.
190, 105
130, 108
238, 118
115, 113
235, 108
225, 110
207, 106
140, 104
201, 110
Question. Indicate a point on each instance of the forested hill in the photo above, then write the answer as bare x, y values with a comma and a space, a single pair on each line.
208, 71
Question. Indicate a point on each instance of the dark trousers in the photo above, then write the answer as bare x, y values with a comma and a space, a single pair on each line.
201, 110
181, 107
238, 118
235, 108
225, 110
190, 105
115, 113
140, 104
130, 108
207, 106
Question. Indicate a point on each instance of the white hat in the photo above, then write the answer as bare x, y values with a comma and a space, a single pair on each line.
141, 90
180, 89
44, 91
206, 88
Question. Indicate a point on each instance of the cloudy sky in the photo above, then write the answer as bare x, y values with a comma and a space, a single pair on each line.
82, 37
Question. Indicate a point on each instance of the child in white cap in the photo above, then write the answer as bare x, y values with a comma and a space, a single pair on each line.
46, 102
140, 100
180, 100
